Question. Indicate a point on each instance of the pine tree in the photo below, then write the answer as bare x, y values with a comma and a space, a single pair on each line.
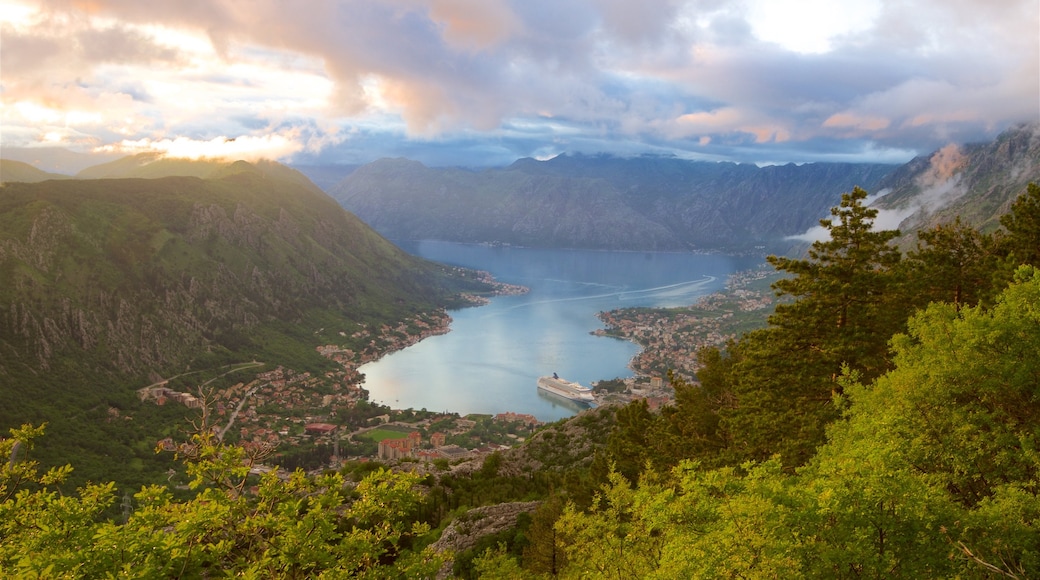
1023, 227
545, 553
952, 263
845, 308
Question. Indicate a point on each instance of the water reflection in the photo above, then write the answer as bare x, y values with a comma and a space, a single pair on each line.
492, 358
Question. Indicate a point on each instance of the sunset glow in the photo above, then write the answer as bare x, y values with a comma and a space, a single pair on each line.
478, 82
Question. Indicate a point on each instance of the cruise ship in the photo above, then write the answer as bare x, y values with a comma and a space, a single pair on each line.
565, 389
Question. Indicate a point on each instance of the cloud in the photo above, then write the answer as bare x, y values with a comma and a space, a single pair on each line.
938, 186
857, 122
698, 78
271, 146
474, 24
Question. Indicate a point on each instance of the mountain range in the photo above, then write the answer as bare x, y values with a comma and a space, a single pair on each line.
601, 202
144, 267
665, 203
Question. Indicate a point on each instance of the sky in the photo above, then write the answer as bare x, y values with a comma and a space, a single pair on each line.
483, 82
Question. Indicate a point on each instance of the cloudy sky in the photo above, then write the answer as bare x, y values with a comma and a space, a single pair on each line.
483, 82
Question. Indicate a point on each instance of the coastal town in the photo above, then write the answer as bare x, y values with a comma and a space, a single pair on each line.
670, 337
327, 416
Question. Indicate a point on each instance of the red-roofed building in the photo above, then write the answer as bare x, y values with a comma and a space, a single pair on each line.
319, 428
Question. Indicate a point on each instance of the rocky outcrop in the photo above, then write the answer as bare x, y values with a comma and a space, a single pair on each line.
464, 533
561, 446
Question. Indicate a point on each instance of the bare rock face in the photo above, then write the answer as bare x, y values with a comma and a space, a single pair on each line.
464, 533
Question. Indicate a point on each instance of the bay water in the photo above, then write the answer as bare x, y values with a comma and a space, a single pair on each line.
491, 359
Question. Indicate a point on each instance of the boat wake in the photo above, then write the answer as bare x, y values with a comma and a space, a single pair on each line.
668, 291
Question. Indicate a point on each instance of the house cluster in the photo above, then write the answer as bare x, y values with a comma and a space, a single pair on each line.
670, 340
511, 417
162, 395
410, 446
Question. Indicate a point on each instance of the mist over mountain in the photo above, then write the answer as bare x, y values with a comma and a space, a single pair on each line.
601, 202
976, 181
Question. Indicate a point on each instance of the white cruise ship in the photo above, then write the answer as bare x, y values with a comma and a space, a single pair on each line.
565, 388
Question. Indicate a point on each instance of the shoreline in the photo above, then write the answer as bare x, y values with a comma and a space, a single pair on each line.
390, 340
699, 251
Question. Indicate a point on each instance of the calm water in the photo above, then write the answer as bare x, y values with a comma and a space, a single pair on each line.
494, 354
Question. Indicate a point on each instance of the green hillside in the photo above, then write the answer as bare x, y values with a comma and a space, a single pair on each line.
110, 284
152, 166
11, 170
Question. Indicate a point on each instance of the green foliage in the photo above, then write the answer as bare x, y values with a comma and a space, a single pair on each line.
497, 564
505, 547
692, 427
609, 541
932, 473
611, 386
289, 528
842, 292
1022, 224
546, 553
629, 443
952, 263
971, 381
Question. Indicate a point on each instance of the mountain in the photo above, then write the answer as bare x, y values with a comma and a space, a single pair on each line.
11, 170
976, 181
603, 202
151, 166
325, 176
109, 284
55, 159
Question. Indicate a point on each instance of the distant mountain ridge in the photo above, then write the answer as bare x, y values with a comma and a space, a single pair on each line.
11, 171
602, 202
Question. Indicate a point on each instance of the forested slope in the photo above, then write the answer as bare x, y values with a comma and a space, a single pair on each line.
110, 284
